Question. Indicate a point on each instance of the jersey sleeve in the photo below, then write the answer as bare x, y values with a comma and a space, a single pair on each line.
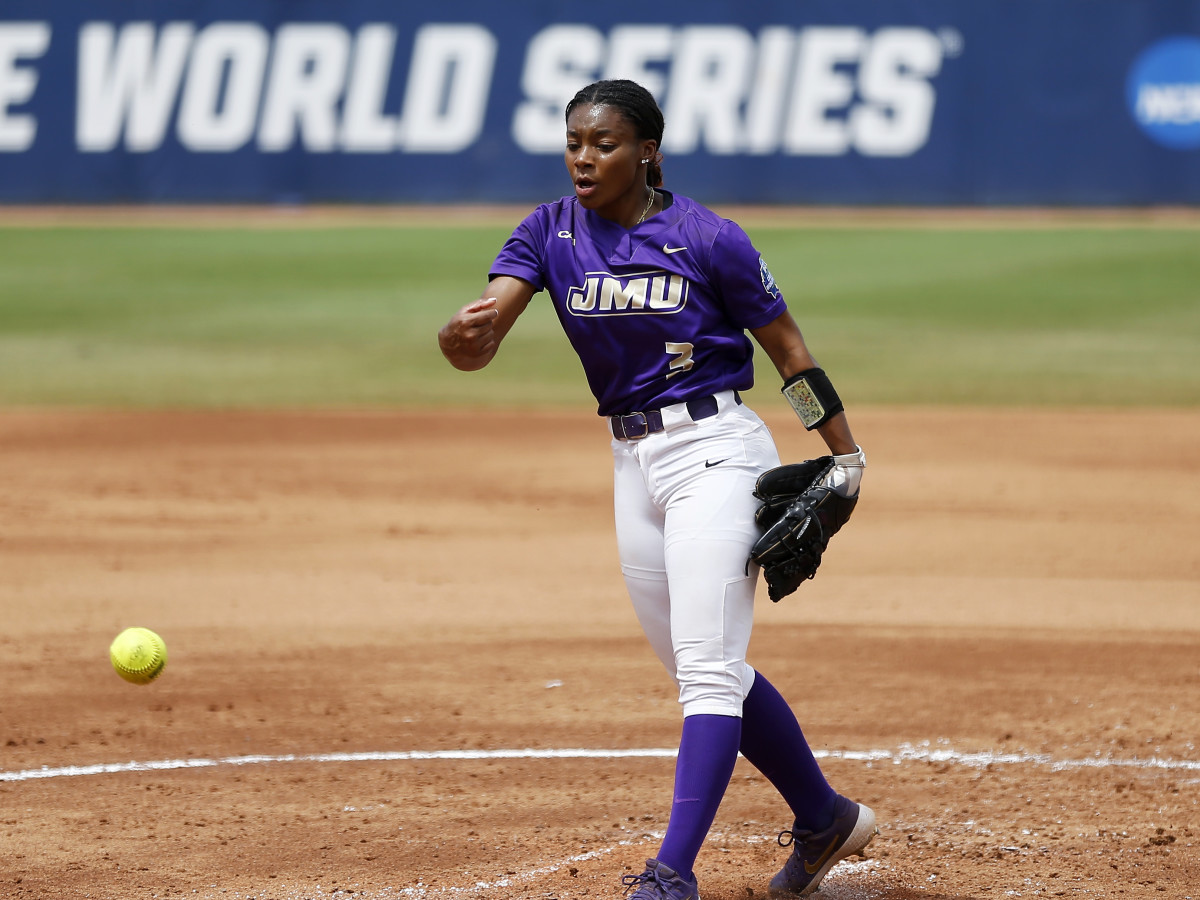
740, 274
524, 253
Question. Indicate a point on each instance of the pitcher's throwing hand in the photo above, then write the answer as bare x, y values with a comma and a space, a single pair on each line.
469, 340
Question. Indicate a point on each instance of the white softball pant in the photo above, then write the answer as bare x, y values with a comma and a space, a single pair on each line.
685, 524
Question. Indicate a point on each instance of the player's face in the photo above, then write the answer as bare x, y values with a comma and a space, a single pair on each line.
604, 157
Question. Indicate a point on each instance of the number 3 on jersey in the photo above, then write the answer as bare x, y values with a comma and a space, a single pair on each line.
683, 362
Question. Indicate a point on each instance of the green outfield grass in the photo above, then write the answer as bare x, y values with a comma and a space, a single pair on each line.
346, 317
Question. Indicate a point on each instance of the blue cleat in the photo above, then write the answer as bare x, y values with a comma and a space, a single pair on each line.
814, 853
660, 882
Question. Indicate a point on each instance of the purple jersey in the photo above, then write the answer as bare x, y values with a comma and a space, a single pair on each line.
657, 313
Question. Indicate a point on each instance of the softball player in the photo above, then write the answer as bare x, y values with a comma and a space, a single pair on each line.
656, 294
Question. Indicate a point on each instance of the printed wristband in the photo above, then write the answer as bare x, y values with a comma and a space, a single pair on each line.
812, 396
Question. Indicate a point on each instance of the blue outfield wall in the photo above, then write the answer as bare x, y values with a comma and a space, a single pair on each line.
1069, 102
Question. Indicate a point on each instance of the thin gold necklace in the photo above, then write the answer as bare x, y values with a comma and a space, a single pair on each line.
649, 203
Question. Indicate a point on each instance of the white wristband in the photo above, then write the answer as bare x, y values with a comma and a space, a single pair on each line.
857, 458
846, 474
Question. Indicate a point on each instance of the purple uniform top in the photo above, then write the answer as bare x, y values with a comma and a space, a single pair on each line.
657, 313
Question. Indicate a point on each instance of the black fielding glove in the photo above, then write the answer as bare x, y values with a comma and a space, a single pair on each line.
798, 515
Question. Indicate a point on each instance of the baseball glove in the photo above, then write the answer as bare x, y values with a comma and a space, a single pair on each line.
798, 516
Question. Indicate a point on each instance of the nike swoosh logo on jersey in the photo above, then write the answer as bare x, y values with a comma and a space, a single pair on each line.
709, 465
669, 250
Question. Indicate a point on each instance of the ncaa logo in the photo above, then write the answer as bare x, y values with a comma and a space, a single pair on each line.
768, 280
1163, 92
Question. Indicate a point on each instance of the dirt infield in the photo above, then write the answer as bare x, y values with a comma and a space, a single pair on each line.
402, 663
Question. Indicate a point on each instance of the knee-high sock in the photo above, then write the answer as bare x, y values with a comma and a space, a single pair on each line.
707, 754
774, 744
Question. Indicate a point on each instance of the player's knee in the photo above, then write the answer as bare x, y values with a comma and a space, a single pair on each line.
712, 696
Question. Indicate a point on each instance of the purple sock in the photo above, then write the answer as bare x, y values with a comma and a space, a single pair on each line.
774, 744
707, 754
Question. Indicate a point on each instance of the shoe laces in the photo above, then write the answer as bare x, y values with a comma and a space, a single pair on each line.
634, 881
650, 876
797, 836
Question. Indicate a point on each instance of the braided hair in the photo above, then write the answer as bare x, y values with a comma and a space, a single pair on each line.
637, 105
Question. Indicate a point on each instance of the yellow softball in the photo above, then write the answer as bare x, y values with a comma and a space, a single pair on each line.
138, 655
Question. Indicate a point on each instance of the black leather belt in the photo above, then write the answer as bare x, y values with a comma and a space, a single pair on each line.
632, 426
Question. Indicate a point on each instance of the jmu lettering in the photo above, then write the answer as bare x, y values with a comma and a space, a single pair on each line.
603, 294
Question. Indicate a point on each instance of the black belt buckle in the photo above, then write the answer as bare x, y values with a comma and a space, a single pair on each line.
637, 419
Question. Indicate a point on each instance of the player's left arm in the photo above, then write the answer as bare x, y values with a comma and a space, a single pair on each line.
799, 515
740, 274
783, 343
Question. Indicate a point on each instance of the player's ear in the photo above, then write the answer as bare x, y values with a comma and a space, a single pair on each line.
649, 151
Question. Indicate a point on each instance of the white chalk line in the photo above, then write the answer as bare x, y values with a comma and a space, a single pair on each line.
899, 756
835, 887
480, 888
